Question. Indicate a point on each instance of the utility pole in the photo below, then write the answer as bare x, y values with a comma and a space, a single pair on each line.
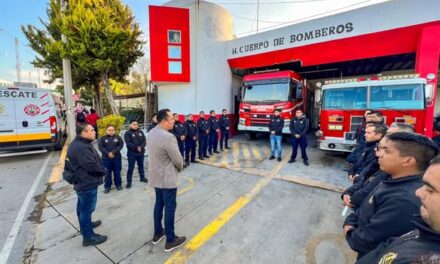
67, 79
17, 58
258, 13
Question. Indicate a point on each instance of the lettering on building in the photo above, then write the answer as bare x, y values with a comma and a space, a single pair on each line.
295, 38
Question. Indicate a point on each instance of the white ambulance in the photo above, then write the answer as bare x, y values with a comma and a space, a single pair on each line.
30, 118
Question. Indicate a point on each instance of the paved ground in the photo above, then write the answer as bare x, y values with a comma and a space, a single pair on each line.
237, 207
22, 180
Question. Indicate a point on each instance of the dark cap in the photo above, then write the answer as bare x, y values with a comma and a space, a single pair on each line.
413, 137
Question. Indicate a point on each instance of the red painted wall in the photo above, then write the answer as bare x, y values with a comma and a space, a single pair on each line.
163, 19
390, 42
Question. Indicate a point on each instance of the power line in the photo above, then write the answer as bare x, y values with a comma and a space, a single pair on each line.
309, 17
268, 3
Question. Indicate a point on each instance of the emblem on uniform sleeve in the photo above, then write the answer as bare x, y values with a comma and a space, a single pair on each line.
388, 258
31, 110
106, 141
371, 200
116, 140
140, 134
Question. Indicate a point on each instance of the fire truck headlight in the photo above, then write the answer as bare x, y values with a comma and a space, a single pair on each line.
335, 127
319, 133
242, 121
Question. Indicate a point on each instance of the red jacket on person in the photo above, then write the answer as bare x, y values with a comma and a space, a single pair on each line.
92, 118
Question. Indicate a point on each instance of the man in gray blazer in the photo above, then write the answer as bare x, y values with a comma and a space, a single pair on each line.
165, 162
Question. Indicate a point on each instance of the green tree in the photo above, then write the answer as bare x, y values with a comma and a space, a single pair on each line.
103, 42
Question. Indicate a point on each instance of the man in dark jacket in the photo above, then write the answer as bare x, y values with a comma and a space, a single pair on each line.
360, 138
135, 140
88, 170
421, 245
368, 160
180, 133
298, 128
110, 146
203, 133
388, 210
214, 128
276, 125
225, 124
190, 140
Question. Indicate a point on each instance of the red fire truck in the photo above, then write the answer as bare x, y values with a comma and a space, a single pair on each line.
400, 98
262, 93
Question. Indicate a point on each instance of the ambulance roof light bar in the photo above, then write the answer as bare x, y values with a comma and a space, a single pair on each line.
374, 78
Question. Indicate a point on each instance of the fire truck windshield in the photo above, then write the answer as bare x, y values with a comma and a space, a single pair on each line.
345, 98
266, 93
402, 96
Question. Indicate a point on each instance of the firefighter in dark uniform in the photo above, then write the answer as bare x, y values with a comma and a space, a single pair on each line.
298, 128
110, 146
276, 125
180, 133
225, 124
389, 209
190, 140
203, 133
135, 140
422, 245
214, 128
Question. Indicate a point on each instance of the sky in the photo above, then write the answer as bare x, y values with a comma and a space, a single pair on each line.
271, 14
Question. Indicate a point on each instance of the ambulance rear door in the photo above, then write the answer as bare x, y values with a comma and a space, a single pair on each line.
8, 128
33, 117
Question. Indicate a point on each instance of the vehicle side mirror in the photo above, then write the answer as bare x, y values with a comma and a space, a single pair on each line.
299, 89
318, 95
428, 92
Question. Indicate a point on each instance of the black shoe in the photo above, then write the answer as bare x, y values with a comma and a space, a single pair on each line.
187, 163
194, 161
96, 239
201, 158
206, 156
96, 223
144, 180
306, 162
119, 188
184, 166
279, 158
216, 151
272, 157
106, 190
177, 242
291, 161
210, 153
227, 148
221, 149
128, 186
157, 238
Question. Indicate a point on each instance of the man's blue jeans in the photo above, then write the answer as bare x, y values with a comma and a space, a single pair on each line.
84, 208
165, 198
131, 162
275, 140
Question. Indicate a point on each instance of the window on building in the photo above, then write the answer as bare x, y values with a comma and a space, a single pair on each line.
174, 36
174, 52
175, 67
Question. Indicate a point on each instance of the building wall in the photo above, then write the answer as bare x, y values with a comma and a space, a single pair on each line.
211, 78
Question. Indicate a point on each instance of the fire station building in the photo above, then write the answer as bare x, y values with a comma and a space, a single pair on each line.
198, 64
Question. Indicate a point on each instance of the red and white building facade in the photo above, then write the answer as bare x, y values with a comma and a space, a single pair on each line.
194, 53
